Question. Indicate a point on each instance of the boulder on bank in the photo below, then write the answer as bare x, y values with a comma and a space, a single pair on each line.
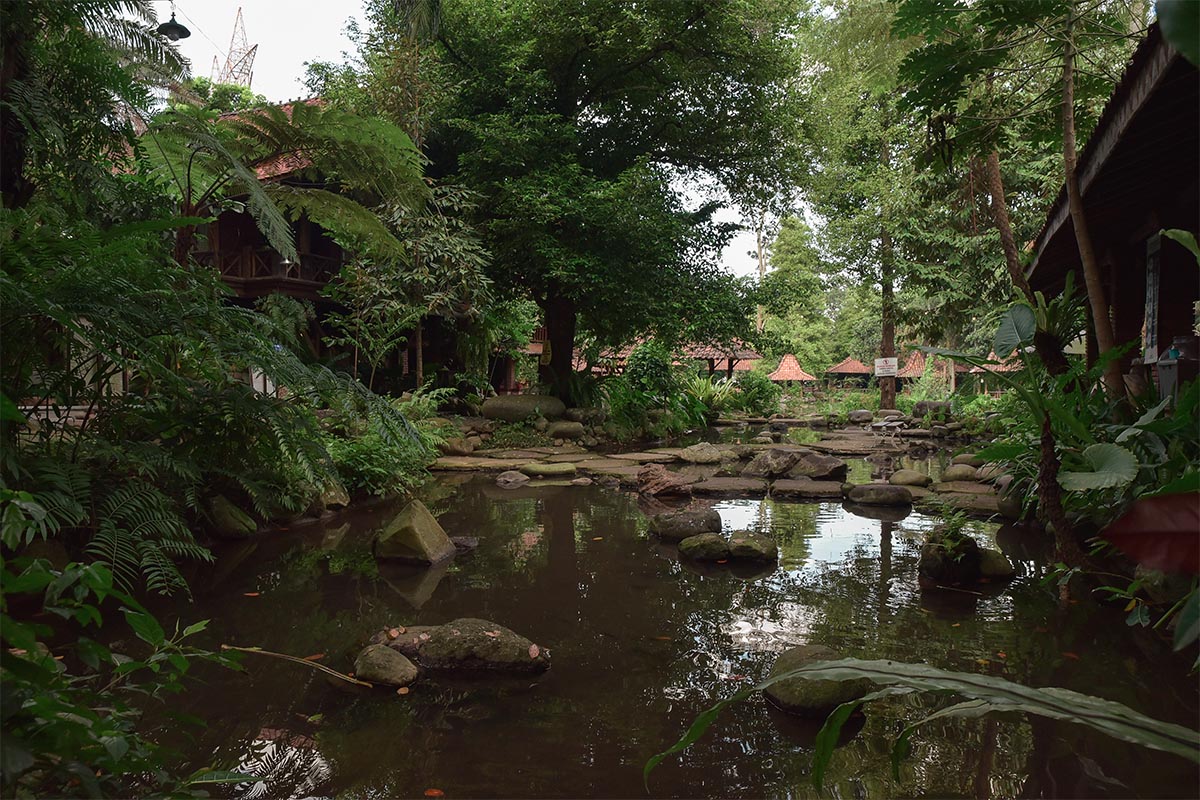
511, 479
909, 477
565, 430
970, 459
705, 547
414, 536
334, 495
811, 698
746, 546
471, 645
456, 446
675, 526
229, 521
381, 664
959, 472
995, 565
656, 480
520, 407
860, 415
770, 463
703, 453
818, 466
879, 494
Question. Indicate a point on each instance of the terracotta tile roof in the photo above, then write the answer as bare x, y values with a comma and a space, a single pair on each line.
790, 370
914, 367
1010, 364
745, 365
737, 350
283, 164
848, 366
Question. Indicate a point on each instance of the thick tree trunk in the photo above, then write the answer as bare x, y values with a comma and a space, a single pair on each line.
1012, 256
887, 385
1114, 383
559, 313
1066, 547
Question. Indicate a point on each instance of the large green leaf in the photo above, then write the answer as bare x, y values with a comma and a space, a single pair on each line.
1180, 21
1016, 330
993, 694
1112, 466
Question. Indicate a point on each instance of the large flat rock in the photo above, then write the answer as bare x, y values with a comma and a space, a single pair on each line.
645, 458
473, 463
983, 505
804, 489
962, 487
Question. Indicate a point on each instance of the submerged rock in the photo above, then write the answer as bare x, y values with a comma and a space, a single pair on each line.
381, 664
805, 488
705, 547
879, 494
909, 477
994, 564
511, 479
811, 697
471, 645
675, 526
520, 407
414, 536
731, 487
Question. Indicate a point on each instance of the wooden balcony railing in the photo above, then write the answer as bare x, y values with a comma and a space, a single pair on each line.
256, 271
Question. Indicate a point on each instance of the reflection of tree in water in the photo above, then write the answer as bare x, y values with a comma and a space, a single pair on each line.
286, 765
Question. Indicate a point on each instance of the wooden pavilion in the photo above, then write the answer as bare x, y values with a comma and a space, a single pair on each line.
849, 371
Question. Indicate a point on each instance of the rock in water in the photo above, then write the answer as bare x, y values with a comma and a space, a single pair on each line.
744, 546
909, 477
381, 664
549, 470
229, 521
334, 495
959, 472
655, 480
879, 494
476, 645
414, 536
520, 407
770, 463
948, 562
994, 564
511, 479
675, 526
818, 466
704, 547
703, 453
811, 698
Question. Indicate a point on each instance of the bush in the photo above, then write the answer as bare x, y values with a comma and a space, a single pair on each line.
517, 436
370, 463
648, 369
757, 394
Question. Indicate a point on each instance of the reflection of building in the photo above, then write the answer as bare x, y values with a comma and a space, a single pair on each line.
1138, 175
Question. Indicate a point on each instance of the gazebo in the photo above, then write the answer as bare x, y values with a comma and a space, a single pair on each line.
913, 368
1011, 364
851, 370
789, 370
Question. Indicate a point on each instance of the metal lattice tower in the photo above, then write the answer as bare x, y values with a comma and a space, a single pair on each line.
239, 64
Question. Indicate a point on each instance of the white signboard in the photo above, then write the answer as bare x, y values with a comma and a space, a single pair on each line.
885, 367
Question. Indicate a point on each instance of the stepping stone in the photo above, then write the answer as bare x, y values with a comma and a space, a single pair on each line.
537, 470
962, 487
571, 458
471, 463
788, 487
645, 458
731, 487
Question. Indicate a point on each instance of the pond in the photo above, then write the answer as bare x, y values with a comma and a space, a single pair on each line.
640, 644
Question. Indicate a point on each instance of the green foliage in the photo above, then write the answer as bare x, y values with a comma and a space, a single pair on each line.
223, 97
986, 694
368, 463
70, 726
648, 369
757, 394
518, 435
716, 394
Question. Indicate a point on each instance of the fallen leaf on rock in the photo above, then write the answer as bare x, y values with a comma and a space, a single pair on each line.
956, 625
402, 690
492, 634
434, 793
983, 661
250, 594
424, 637
394, 633
534, 651
722, 560
314, 657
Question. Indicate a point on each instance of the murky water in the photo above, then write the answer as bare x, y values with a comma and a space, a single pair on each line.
640, 644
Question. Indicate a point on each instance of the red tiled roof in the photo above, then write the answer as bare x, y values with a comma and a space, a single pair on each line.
914, 367
848, 366
1010, 364
745, 365
790, 370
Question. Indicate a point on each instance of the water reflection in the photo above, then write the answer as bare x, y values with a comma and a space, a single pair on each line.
641, 644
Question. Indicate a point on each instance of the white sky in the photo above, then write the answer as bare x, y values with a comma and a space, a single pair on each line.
289, 33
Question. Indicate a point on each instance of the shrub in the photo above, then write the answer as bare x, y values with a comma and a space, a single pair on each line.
371, 463
757, 394
648, 369
517, 436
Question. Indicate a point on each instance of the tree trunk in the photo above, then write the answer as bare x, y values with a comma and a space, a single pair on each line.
1066, 548
759, 234
1114, 383
559, 313
419, 344
1012, 256
887, 385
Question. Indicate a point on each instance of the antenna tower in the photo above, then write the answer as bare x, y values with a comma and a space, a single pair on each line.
239, 64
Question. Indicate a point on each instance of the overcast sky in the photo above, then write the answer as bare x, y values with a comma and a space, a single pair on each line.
289, 33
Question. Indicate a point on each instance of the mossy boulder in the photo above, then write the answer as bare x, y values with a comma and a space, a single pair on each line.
995, 565
413, 536
520, 407
705, 547
770, 463
745, 546
477, 645
818, 466
565, 429
549, 470
948, 559
229, 521
811, 698
879, 494
960, 472
909, 477
703, 453
381, 664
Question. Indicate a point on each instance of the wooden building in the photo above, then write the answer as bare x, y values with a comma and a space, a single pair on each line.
849, 372
789, 371
1138, 174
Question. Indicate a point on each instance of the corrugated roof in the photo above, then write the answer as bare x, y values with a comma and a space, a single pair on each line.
848, 366
790, 370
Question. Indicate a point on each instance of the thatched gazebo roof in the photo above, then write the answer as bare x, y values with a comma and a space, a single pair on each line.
790, 370
914, 367
849, 366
